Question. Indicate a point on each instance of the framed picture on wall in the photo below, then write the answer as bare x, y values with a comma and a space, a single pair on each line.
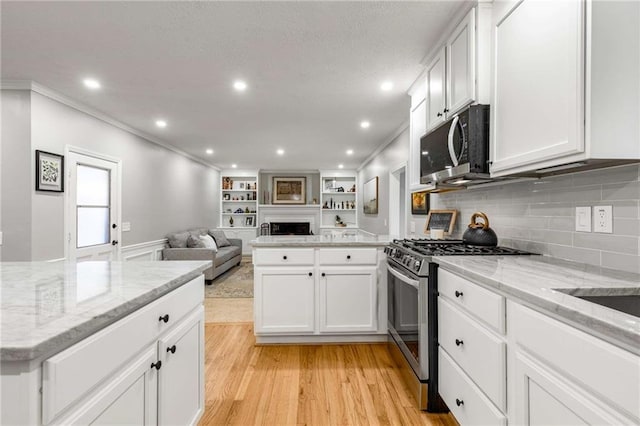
289, 190
420, 202
248, 221
370, 196
49, 172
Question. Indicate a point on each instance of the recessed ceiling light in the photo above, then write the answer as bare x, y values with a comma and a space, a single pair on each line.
233, 166
209, 151
349, 152
161, 123
386, 86
92, 83
365, 124
341, 166
280, 152
240, 85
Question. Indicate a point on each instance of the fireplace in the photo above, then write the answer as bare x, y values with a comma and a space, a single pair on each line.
290, 228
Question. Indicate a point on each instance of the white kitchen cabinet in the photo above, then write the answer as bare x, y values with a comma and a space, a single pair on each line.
284, 299
461, 65
565, 84
417, 128
181, 378
436, 85
348, 299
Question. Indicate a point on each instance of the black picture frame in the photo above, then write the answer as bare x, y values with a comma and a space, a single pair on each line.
420, 203
49, 171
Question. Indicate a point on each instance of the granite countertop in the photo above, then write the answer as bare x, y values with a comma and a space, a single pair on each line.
339, 239
46, 307
535, 280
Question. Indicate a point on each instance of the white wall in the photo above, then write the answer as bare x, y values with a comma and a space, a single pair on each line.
162, 191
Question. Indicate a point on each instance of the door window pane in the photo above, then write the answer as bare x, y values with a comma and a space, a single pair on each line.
93, 186
93, 226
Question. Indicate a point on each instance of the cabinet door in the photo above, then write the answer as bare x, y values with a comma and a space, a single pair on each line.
348, 299
181, 378
129, 399
543, 398
418, 127
284, 300
461, 66
538, 84
435, 91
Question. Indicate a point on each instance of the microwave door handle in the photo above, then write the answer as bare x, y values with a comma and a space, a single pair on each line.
452, 150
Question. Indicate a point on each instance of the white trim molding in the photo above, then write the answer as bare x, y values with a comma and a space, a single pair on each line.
59, 97
149, 250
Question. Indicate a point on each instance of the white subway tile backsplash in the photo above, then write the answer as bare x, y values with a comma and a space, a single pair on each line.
539, 216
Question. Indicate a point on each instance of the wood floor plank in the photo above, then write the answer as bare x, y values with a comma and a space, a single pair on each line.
246, 384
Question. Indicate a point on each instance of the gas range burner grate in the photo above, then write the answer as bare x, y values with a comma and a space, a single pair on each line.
452, 247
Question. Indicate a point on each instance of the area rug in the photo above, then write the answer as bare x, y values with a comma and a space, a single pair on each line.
235, 283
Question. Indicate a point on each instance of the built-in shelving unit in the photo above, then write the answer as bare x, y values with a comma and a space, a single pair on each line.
338, 198
239, 205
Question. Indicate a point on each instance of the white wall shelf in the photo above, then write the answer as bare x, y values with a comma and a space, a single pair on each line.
334, 203
230, 182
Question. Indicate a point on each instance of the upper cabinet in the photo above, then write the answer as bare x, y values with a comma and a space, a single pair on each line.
436, 99
461, 66
565, 84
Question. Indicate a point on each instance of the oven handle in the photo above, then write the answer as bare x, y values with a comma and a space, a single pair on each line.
403, 278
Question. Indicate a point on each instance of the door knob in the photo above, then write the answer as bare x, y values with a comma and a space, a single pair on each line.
172, 349
446, 110
348, 256
323, 274
114, 226
114, 242
310, 274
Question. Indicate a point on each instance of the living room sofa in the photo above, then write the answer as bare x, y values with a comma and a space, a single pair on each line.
225, 258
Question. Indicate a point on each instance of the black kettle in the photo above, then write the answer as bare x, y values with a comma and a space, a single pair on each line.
479, 234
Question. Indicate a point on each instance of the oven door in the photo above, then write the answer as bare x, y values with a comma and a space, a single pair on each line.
407, 317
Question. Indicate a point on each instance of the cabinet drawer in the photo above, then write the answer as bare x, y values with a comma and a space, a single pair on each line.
73, 372
280, 257
480, 302
606, 370
454, 385
480, 353
348, 256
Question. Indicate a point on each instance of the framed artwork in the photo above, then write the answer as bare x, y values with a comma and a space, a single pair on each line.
289, 190
248, 221
49, 172
420, 202
441, 219
370, 196
242, 185
226, 197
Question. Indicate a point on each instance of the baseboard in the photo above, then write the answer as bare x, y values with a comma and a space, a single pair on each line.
149, 250
317, 339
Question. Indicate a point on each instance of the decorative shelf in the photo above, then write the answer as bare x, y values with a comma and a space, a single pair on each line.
339, 210
238, 214
239, 201
239, 190
338, 193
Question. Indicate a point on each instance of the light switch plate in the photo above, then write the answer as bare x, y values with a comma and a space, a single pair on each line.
603, 219
126, 226
583, 219
412, 225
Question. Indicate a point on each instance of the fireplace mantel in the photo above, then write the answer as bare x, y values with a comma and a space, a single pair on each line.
291, 213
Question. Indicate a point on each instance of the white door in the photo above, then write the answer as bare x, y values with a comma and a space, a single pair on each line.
93, 208
461, 68
435, 91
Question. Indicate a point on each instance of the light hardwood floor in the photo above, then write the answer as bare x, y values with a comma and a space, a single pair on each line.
247, 384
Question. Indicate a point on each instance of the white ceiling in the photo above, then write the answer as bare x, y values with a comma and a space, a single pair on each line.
314, 71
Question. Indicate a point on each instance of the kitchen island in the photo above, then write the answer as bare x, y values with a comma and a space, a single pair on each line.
320, 288
102, 342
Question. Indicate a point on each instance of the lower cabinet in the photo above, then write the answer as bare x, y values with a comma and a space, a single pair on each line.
284, 300
348, 299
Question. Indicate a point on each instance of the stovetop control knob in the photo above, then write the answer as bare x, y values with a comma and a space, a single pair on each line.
417, 264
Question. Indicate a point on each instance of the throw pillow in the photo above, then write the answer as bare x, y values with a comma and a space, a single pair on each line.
221, 239
208, 242
178, 239
194, 242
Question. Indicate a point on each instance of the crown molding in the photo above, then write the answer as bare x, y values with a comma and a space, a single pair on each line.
58, 97
404, 126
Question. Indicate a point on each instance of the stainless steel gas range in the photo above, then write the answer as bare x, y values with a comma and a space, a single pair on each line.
412, 285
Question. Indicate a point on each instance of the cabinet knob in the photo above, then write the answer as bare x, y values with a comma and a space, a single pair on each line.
459, 402
446, 110
323, 274
310, 274
439, 114
284, 257
348, 256
458, 293
172, 349
114, 242
156, 365
164, 318
459, 342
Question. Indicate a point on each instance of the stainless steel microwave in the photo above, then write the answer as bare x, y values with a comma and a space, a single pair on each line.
457, 151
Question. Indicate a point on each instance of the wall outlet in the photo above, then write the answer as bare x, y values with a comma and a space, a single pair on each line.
583, 219
126, 226
412, 226
603, 219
